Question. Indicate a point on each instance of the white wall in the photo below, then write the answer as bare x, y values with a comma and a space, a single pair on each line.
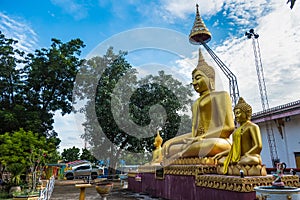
286, 146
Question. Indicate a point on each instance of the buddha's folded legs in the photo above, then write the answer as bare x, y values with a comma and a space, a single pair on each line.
207, 147
176, 141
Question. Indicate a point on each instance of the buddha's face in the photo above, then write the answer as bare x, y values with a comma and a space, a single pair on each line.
240, 116
200, 81
157, 143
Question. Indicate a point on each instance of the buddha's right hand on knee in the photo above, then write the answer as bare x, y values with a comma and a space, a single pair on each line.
188, 140
219, 156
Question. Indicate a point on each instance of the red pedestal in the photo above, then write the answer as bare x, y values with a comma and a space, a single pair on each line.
181, 187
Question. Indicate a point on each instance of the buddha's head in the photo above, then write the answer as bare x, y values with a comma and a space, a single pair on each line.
244, 107
158, 140
205, 70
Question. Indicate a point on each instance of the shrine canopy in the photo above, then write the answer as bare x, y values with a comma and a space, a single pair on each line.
76, 162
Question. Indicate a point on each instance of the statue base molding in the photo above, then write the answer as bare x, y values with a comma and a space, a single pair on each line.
190, 161
189, 170
238, 184
247, 170
192, 182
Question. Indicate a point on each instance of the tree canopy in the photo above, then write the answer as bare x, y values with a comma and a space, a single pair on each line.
87, 155
70, 154
35, 85
123, 113
25, 147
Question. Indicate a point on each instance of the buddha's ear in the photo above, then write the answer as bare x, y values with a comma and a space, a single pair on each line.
211, 84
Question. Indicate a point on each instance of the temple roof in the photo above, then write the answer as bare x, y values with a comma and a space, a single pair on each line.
277, 112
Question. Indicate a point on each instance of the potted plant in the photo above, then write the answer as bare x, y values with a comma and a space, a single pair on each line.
104, 188
36, 163
16, 170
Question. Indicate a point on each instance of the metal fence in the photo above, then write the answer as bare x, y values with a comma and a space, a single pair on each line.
46, 192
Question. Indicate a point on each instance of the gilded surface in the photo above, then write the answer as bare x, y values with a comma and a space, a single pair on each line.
132, 174
189, 170
157, 153
244, 153
191, 161
199, 31
212, 120
147, 169
248, 170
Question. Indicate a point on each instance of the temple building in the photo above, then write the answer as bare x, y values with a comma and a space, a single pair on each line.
285, 123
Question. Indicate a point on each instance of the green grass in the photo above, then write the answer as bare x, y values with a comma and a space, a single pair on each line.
5, 195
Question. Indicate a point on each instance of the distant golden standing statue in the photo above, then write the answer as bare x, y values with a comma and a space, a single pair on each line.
212, 120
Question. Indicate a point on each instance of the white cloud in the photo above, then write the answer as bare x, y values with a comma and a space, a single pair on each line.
69, 130
279, 31
245, 12
239, 10
279, 46
77, 9
13, 27
181, 9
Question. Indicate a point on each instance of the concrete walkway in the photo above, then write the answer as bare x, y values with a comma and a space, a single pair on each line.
66, 190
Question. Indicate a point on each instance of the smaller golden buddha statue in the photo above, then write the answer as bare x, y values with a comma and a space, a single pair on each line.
157, 153
244, 155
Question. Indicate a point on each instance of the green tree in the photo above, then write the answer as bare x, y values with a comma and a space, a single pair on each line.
18, 147
10, 84
167, 92
118, 97
50, 79
87, 155
35, 85
70, 154
107, 69
136, 159
24, 149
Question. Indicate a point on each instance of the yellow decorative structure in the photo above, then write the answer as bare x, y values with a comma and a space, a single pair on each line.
199, 31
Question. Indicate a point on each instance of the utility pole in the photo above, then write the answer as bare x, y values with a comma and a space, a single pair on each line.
263, 94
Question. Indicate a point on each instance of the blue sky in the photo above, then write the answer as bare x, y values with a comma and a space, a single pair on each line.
118, 23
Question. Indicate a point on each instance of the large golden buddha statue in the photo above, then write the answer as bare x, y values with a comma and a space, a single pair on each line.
212, 119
